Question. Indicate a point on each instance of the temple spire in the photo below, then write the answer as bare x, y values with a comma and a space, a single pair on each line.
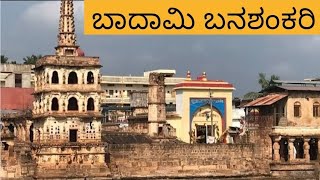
66, 37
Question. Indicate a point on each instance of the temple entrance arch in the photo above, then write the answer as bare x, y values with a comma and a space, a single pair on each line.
201, 123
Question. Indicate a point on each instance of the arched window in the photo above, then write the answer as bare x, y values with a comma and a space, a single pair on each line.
31, 133
73, 78
55, 78
297, 109
11, 128
90, 78
73, 104
316, 109
54, 104
90, 105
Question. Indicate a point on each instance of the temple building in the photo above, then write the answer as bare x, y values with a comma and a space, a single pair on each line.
203, 109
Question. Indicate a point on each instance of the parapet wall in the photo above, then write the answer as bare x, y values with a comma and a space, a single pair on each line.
185, 160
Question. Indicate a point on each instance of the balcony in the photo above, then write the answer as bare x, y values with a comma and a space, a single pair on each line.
69, 88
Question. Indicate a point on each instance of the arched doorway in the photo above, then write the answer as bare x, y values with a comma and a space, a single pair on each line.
73, 78
55, 78
90, 105
73, 104
54, 104
31, 133
298, 145
201, 124
90, 78
313, 151
11, 128
284, 149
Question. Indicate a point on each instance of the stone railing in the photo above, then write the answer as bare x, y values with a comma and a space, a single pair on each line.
136, 80
77, 61
116, 100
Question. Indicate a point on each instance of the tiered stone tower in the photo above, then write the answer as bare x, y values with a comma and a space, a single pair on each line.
67, 118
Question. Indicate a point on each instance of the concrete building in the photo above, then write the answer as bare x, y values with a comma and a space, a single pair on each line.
17, 75
118, 88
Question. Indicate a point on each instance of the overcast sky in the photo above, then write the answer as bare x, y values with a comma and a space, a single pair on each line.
31, 28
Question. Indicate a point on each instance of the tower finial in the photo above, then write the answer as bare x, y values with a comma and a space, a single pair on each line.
188, 75
204, 76
66, 37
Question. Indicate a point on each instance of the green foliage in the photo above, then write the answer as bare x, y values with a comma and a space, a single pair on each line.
31, 59
251, 95
264, 82
4, 59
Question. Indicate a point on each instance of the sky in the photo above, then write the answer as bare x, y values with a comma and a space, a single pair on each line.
31, 27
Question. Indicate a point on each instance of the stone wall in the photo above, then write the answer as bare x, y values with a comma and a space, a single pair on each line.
185, 160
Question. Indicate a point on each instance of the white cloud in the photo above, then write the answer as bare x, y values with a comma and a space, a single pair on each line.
46, 13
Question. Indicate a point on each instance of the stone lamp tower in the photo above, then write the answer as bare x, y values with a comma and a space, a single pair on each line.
67, 118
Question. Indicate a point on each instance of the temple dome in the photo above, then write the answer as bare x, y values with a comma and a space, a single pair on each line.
80, 52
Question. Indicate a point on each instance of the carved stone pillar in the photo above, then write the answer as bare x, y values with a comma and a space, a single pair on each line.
318, 157
306, 148
291, 150
276, 151
18, 135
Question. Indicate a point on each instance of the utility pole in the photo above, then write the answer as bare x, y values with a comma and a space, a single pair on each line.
211, 116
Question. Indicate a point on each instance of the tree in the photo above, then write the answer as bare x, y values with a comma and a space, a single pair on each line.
251, 95
264, 82
4, 59
31, 59
13, 62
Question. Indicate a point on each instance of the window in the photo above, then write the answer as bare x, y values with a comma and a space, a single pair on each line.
69, 52
54, 104
110, 92
73, 104
128, 85
297, 109
90, 78
55, 78
316, 109
145, 86
116, 91
73, 135
18, 80
110, 84
73, 78
90, 105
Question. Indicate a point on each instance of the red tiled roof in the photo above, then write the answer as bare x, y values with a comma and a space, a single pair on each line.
16, 98
266, 100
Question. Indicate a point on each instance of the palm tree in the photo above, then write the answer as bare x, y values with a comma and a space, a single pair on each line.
264, 82
4, 59
31, 59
